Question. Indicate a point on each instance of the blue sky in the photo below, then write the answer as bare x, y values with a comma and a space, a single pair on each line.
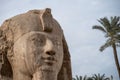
76, 18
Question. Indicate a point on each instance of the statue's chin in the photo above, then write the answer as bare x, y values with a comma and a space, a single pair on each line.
45, 73
47, 68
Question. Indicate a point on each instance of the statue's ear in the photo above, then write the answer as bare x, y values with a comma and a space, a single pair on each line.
65, 72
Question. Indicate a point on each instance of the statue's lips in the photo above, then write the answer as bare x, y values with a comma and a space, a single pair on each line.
49, 60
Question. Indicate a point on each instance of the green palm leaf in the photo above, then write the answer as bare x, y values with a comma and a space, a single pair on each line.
107, 44
99, 28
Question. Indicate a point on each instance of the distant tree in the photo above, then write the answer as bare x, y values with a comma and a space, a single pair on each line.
100, 77
80, 77
94, 77
111, 77
111, 29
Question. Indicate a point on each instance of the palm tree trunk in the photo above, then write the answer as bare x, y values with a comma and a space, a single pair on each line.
116, 59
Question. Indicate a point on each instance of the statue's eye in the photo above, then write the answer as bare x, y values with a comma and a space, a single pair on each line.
38, 40
56, 42
41, 41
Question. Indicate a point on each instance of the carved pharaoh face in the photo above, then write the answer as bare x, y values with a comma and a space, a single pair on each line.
41, 51
34, 42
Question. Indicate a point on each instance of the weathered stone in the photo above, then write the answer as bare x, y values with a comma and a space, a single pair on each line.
34, 48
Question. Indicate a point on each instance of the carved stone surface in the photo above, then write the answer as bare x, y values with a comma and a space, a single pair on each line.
33, 47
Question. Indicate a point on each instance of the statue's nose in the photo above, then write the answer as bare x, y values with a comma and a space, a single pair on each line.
49, 48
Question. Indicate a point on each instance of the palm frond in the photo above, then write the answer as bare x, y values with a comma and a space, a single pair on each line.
106, 23
107, 79
85, 77
117, 38
73, 79
99, 76
99, 28
107, 44
94, 76
111, 77
117, 44
118, 24
115, 21
116, 29
77, 77
102, 77
80, 77
89, 78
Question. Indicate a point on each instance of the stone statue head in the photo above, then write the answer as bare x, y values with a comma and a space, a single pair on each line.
33, 47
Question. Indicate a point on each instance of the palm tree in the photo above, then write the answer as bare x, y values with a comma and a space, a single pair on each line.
111, 29
100, 77
80, 78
